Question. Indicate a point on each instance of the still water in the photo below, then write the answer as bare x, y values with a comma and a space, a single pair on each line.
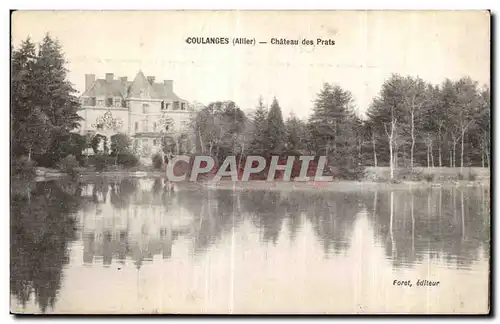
131, 246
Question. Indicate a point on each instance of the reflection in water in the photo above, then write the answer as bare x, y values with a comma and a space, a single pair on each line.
452, 224
134, 223
40, 228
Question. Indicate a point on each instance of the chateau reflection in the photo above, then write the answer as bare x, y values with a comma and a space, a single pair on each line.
139, 221
130, 219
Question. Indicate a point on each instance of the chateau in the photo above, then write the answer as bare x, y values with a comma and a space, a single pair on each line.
143, 109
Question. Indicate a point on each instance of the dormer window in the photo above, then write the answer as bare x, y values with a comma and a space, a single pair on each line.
118, 102
183, 106
100, 103
109, 102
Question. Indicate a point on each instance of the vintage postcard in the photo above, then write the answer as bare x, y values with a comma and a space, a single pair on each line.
250, 162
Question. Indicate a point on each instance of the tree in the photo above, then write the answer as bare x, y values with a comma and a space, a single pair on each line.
43, 103
219, 126
296, 131
467, 103
56, 94
275, 132
483, 126
120, 144
333, 130
415, 96
30, 125
258, 144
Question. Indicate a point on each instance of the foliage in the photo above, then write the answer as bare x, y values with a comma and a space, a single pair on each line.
44, 105
258, 142
99, 144
101, 161
22, 167
435, 125
296, 134
275, 132
157, 161
120, 144
62, 146
333, 130
69, 165
218, 127
127, 160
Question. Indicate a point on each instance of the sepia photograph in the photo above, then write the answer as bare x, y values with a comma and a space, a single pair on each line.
250, 162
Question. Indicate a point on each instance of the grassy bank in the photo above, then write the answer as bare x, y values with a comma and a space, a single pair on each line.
436, 174
373, 176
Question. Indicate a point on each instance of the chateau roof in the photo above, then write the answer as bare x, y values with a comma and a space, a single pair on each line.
141, 87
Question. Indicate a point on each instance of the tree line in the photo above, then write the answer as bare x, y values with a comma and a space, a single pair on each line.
410, 123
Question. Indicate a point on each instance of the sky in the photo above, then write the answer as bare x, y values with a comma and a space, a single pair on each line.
369, 47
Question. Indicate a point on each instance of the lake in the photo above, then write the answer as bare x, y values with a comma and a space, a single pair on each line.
132, 246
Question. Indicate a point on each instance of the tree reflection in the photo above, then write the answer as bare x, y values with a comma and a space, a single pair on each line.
41, 228
449, 224
133, 220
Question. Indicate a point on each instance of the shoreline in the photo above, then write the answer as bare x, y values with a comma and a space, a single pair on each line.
276, 185
342, 185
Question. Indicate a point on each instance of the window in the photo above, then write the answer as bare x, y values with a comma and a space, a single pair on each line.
176, 105
136, 126
162, 105
155, 142
183, 106
100, 103
166, 105
85, 101
154, 127
145, 125
118, 102
92, 101
145, 107
109, 102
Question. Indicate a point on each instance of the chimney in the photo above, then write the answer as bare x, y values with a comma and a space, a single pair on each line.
89, 80
151, 79
109, 77
123, 79
169, 84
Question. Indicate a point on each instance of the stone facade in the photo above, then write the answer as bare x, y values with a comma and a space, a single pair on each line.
143, 109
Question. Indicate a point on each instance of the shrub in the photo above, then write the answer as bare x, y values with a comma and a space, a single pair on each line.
101, 161
429, 177
409, 174
120, 144
353, 173
68, 165
22, 167
157, 161
127, 160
